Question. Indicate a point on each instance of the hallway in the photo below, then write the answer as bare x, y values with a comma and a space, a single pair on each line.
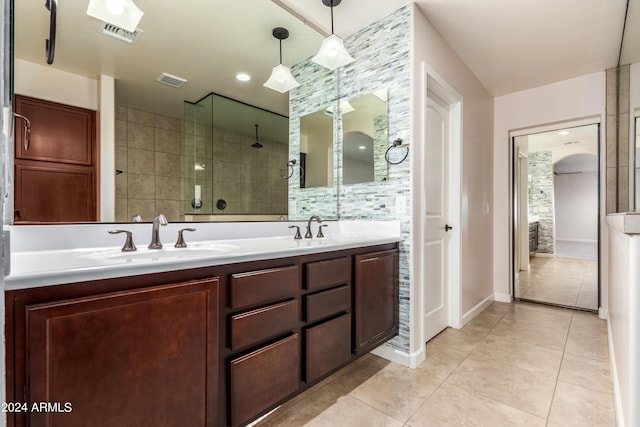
563, 281
515, 364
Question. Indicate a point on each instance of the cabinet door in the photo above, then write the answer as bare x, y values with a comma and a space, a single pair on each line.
131, 358
46, 192
59, 133
376, 298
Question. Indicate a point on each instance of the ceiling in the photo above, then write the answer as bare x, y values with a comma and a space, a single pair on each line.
510, 45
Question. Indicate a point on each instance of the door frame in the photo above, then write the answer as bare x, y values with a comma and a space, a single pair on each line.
585, 121
432, 81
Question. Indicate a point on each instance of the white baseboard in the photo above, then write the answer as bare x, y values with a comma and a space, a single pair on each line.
502, 298
614, 375
602, 313
577, 240
469, 315
401, 357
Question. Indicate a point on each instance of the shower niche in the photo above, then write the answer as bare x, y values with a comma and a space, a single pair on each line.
234, 157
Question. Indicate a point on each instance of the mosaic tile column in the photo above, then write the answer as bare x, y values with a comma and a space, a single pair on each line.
617, 139
541, 200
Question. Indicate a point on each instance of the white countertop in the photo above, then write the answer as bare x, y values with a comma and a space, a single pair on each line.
70, 261
626, 222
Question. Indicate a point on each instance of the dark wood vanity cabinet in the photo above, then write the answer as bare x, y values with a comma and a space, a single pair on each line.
376, 298
210, 346
133, 357
533, 236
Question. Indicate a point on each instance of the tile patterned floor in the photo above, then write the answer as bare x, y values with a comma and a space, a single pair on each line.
564, 281
515, 364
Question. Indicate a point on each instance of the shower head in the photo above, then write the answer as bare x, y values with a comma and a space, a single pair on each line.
257, 143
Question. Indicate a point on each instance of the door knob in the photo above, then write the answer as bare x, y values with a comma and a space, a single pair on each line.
448, 227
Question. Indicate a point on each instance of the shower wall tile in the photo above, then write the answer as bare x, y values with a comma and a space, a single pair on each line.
168, 141
141, 137
121, 133
150, 150
141, 187
141, 161
140, 117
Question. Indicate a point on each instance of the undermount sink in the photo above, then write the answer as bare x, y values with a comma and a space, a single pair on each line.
164, 253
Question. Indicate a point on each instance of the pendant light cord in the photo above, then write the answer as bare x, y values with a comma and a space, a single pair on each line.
280, 54
331, 16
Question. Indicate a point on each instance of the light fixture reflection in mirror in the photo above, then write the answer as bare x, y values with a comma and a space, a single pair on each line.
365, 134
316, 149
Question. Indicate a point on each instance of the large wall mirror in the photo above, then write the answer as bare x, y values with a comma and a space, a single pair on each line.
172, 146
364, 138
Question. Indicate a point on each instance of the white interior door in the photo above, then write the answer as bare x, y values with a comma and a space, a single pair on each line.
436, 253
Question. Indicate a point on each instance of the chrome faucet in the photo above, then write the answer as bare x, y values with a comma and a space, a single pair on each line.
308, 234
155, 231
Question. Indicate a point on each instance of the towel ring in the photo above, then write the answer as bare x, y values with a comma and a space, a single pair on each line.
290, 165
394, 144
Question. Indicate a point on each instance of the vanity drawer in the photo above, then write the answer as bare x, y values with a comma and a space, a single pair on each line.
262, 378
267, 322
325, 274
327, 303
263, 286
327, 345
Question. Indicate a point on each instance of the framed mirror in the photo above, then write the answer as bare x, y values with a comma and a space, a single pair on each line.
316, 149
364, 138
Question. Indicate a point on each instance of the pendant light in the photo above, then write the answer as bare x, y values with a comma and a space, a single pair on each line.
121, 13
257, 143
281, 78
332, 53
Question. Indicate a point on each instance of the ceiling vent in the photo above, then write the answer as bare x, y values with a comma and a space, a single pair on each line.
171, 80
120, 33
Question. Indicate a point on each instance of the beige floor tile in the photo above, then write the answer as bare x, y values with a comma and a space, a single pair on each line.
441, 360
497, 308
560, 295
588, 337
452, 406
458, 339
577, 406
513, 353
586, 300
344, 411
592, 374
509, 385
522, 310
397, 391
553, 337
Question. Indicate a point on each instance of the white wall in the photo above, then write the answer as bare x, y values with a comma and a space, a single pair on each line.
579, 98
44, 82
477, 188
576, 206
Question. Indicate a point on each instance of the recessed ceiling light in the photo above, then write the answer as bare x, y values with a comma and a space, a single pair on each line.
564, 132
243, 77
362, 147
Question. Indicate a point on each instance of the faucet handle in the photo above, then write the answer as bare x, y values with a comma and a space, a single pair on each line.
181, 243
320, 234
136, 218
129, 246
298, 235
